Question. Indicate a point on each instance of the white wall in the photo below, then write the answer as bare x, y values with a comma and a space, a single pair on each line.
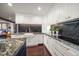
58, 14
28, 19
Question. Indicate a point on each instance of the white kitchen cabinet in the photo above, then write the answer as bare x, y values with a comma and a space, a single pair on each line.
48, 43
54, 46
66, 50
57, 48
31, 41
45, 40
34, 40
40, 38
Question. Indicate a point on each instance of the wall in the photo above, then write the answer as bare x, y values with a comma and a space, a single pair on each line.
60, 13
28, 19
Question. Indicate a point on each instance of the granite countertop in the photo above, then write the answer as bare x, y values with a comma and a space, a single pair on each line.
74, 46
10, 47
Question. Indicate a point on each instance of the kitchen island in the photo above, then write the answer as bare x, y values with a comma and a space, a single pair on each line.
12, 47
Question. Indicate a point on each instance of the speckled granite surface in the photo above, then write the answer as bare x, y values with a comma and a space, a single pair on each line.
68, 43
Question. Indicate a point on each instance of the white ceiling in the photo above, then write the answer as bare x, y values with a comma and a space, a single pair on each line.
31, 8
6, 11
28, 8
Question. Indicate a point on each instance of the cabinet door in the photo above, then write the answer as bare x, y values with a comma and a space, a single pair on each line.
39, 38
57, 48
48, 43
31, 42
52, 47
66, 50
46, 38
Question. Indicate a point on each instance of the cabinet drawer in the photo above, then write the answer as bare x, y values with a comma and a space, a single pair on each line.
65, 50
31, 42
55, 50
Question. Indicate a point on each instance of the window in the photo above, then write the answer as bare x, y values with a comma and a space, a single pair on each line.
4, 26
30, 28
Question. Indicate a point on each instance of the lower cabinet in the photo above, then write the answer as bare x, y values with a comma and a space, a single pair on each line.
57, 48
31, 42
66, 50
35, 40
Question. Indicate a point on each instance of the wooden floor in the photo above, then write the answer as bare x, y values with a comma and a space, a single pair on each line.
39, 50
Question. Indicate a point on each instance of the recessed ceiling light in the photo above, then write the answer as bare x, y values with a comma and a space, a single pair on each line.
39, 8
10, 4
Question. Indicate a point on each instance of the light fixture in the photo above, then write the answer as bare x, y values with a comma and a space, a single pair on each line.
10, 4
39, 8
